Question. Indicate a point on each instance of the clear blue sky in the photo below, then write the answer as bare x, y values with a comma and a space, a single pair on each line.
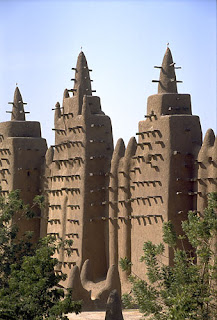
122, 40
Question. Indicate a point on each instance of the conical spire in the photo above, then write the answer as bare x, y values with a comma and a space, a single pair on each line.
65, 94
167, 82
18, 110
209, 138
131, 147
82, 77
57, 114
119, 149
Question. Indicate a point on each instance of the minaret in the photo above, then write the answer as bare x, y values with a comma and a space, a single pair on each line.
22, 152
163, 178
78, 180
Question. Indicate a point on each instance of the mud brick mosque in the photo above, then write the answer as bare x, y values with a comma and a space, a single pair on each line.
108, 200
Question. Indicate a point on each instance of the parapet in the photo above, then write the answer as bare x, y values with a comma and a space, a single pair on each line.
31, 129
169, 104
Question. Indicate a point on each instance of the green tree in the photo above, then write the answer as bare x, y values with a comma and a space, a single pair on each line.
29, 285
187, 289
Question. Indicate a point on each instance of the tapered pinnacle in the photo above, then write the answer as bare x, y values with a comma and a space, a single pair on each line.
65, 94
209, 139
167, 82
57, 114
82, 77
18, 110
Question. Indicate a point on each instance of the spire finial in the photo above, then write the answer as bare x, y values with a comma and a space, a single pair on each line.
167, 83
82, 76
65, 94
18, 112
57, 114
82, 85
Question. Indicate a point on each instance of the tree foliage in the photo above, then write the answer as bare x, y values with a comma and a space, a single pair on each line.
29, 285
188, 288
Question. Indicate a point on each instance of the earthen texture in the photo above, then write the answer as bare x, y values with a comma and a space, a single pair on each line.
22, 152
109, 201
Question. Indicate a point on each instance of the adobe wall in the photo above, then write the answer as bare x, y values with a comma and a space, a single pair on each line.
78, 175
207, 170
65, 189
22, 153
159, 181
109, 202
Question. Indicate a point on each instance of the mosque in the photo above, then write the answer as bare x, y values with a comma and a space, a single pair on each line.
108, 200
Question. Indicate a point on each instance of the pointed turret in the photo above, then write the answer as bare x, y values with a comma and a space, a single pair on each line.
167, 82
168, 101
57, 112
65, 94
131, 148
209, 139
18, 110
82, 80
82, 77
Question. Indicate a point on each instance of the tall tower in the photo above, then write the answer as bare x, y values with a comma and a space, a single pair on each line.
77, 174
22, 152
155, 181
164, 177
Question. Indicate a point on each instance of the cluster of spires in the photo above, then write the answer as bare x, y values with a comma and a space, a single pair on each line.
82, 84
